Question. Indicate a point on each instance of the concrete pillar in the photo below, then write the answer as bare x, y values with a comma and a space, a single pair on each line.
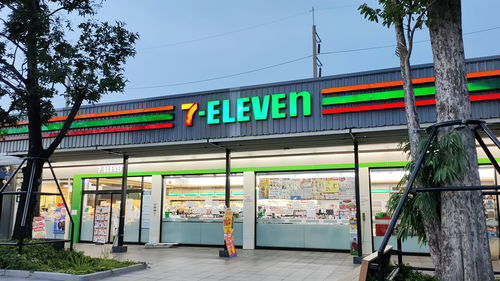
364, 194
156, 209
249, 210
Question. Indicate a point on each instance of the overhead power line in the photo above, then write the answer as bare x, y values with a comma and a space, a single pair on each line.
220, 77
393, 45
288, 62
240, 29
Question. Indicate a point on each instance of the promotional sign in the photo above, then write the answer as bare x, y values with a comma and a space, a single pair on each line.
101, 225
38, 230
228, 233
59, 220
353, 233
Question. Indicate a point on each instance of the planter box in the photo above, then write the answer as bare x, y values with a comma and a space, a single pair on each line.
36, 275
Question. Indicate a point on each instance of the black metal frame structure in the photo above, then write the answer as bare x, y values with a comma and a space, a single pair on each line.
383, 259
20, 243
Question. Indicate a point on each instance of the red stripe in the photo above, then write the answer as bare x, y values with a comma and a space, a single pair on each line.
400, 104
99, 131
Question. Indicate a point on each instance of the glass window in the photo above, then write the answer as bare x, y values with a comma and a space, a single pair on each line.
147, 208
89, 184
201, 196
52, 207
134, 183
110, 184
87, 226
384, 182
306, 195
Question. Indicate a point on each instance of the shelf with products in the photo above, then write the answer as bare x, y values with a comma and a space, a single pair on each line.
200, 196
306, 198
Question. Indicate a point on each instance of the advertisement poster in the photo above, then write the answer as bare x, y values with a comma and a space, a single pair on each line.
228, 233
353, 233
38, 227
59, 220
101, 225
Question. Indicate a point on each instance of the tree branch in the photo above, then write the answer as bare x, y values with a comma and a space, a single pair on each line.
13, 41
67, 124
8, 83
55, 11
12, 69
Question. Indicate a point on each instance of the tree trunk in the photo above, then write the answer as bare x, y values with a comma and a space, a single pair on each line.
409, 95
35, 149
413, 125
464, 244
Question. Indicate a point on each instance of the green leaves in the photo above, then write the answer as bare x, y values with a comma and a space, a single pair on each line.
445, 163
38, 58
396, 11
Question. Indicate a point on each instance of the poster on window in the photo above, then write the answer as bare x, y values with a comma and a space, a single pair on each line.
101, 225
59, 220
38, 229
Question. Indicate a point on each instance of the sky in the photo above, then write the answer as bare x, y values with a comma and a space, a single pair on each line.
182, 42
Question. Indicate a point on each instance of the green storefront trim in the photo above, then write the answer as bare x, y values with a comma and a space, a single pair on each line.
76, 203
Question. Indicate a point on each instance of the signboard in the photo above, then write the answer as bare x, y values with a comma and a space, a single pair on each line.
59, 220
228, 233
353, 233
38, 229
101, 225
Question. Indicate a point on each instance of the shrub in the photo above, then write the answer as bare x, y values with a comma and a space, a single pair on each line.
46, 258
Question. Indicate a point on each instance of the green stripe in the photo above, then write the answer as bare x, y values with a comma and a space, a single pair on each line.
396, 94
96, 123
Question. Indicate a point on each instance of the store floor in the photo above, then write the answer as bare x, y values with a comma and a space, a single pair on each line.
201, 263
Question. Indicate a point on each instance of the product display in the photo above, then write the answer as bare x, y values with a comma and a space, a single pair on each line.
201, 196
306, 196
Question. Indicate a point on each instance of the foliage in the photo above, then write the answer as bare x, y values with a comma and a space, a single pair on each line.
444, 163
53, 58
394, 11
406, 273
45, 258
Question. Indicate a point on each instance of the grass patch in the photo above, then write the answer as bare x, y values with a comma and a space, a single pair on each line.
46, 258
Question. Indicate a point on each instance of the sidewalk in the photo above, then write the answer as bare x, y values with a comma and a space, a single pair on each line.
202, 263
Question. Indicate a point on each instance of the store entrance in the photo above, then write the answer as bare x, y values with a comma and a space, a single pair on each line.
101, 210
107, 217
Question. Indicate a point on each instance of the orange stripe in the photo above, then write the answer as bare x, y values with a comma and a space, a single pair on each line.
400, 83
107, 114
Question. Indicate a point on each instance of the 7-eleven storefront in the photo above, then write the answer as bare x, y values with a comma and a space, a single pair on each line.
293, 173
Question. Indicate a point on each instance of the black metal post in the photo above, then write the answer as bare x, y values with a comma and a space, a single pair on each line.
487, 151
119, 248
357, 260
68, 211
400, 252
228, 178
397, 212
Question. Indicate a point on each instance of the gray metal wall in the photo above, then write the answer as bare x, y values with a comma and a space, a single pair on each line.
314, 123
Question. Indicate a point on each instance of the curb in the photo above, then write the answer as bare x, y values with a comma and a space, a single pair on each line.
56, 276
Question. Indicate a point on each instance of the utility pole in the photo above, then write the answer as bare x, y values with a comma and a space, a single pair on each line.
316, 47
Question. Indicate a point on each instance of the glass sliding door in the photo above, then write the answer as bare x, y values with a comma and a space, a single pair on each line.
101, 210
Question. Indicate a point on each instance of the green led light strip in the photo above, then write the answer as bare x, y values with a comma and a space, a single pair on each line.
396, 94
96, 123
381, 190
202, 193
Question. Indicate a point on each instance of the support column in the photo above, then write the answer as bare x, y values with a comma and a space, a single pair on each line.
364, 194
156, 210
119, 248
357, 260
228, 178
249, 210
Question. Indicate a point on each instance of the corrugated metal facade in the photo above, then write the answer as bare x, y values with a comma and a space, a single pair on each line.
314, 123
